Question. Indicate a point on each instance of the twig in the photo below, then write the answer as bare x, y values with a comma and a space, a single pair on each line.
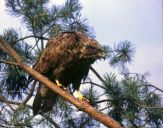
154, 87
50, 120
90, 82
8, 102
32, 36
9, 62
96, 73
3, 99
30, 94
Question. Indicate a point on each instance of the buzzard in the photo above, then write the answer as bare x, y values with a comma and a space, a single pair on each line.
65, 60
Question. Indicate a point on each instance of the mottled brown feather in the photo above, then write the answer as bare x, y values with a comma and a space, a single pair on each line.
66, 58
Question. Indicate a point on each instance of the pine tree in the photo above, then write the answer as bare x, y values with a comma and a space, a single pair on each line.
132, 101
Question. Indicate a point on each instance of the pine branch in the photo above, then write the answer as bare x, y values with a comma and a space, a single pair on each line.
81, 105
9, 62
92, 83
30, 94
9, 103
3, 99
154, 87
96, 73
32, 36
50, 120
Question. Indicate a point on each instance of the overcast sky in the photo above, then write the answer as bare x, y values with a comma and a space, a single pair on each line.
139, 21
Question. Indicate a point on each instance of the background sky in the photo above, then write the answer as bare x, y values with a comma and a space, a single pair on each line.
139, 21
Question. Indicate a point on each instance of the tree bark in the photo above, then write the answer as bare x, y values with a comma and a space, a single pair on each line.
81, 105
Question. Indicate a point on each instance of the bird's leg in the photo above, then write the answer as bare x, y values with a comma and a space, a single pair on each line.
80, 96
58, 83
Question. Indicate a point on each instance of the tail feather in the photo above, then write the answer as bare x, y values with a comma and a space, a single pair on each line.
37, 103
48, 101
44, 100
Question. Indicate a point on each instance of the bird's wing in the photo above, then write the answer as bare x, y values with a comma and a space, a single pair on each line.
56, 50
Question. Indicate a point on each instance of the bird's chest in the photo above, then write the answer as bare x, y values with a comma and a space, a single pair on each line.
74, 71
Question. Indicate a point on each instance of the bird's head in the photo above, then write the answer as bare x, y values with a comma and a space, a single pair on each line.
91, 49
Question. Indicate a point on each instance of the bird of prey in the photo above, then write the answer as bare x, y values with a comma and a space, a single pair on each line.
65, 60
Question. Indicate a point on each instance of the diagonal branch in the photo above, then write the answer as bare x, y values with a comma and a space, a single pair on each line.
96, 73
5, 47
81, 105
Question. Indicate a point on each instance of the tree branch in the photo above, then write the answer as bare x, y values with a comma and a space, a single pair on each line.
32, 36
5, 47
3, 99
82, 105
154, 87
9, 103
90, 82
30, 94
96, 73
50, 120
9, 62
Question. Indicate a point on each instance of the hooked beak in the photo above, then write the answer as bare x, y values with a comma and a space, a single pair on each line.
102, 55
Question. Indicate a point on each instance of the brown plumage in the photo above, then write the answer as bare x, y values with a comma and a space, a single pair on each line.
66, 58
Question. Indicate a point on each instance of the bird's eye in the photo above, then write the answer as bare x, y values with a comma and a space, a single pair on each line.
90, 47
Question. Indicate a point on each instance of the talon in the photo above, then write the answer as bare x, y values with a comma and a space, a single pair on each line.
80, 96
58, 83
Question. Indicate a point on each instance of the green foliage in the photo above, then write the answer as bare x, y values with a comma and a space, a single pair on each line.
14, 82
41, 20
32, 12
22, 117
114, 93
132, 102
129, 100
71, 17
122, 54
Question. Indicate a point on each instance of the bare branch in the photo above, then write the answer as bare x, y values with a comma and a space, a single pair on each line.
96, 73
90, 82
154, 87
50, 120
30, 94
3, 99
9, 103
9, 62
32, 36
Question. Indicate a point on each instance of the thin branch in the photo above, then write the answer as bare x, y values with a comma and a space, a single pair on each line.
32, 36
97, 74
104, 108
9, 62
147, 107
154, 87
90, 82
101, 101
81, 105
50, 120
3, 99
8, 102
30, 94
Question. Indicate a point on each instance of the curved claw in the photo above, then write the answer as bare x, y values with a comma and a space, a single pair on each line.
80, 96
58, 83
